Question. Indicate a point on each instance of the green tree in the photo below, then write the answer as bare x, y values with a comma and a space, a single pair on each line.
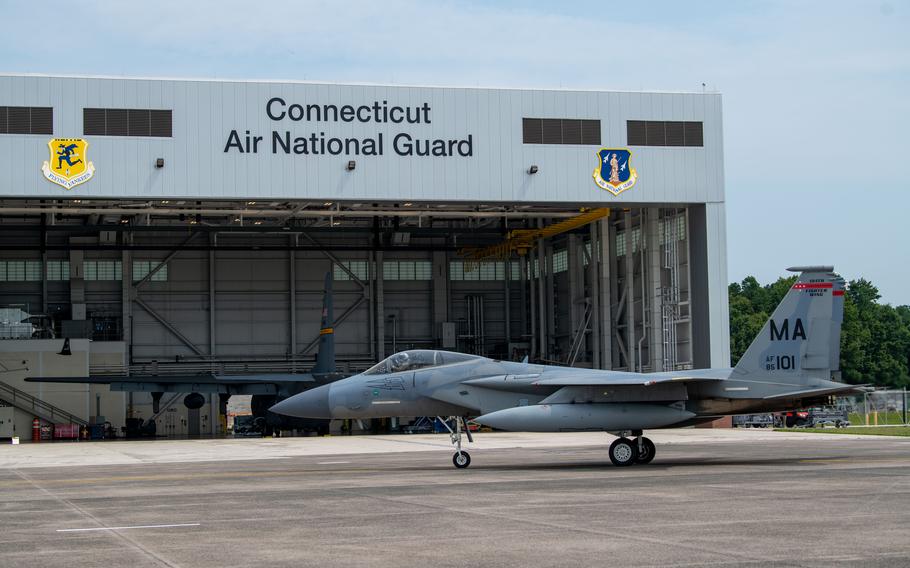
875, 338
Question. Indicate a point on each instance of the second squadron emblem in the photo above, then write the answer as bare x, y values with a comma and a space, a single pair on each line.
614, 172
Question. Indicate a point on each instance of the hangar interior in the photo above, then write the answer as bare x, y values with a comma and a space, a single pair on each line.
236, 287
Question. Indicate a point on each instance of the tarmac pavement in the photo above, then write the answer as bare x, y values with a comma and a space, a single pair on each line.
711, 497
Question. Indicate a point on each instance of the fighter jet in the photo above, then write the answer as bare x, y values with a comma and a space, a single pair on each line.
788, 366
266, 388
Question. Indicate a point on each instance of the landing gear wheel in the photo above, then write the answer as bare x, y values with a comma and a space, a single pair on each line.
623, 452
461, 459
646, 451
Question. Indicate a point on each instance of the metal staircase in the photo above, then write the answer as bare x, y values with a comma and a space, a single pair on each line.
34, 405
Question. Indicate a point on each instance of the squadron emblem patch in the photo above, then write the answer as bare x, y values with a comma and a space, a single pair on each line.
614, 173
67, 166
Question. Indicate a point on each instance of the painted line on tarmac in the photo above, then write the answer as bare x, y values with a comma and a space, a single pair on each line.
154, 556
331, 463
133, 527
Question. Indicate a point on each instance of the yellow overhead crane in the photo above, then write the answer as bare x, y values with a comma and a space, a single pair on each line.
523, 240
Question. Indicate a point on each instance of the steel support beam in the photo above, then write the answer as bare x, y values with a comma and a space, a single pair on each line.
576, 295
592, 276
523, 295
541, 298
532, 302
164, 262
604, 277
440, 295
336, 261
371, 309
212, 268
283, 216
43, 264
126, 303
630, 293
77, 280
338, 321
167, 325
656, 335
507, 297
610, 281
292, 301
379, 305
550, 322
214, 415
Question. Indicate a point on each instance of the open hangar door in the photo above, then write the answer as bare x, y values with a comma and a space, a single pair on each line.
232, 288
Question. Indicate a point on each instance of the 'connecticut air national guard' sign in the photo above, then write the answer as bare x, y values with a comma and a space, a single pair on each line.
67, 166
614, 173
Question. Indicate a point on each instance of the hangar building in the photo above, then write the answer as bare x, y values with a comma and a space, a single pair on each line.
186, 226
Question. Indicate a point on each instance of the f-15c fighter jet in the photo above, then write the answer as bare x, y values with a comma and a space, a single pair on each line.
788, 366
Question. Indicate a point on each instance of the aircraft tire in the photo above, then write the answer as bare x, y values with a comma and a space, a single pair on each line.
623, 452
461, 459
647, 451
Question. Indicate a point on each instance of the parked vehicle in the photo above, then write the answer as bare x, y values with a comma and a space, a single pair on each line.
816, 417
246, 426
827, 416
754, 420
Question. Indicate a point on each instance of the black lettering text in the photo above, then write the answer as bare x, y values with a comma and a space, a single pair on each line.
798, 330
783, 332
233, 142
268, 108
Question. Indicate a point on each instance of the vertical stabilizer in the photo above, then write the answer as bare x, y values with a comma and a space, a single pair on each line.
325, 358
800, 343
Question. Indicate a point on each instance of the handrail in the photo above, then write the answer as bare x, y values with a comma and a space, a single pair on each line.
30, 403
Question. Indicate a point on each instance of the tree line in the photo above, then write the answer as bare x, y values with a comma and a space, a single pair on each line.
875, 337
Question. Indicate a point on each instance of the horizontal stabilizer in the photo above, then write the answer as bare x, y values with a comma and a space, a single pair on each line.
809, 393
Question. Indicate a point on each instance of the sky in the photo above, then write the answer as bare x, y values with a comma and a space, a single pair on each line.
816, 95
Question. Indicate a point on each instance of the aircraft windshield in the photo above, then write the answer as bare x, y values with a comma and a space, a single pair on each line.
415, 359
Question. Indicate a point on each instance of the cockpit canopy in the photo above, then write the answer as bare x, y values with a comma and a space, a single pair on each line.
416, 359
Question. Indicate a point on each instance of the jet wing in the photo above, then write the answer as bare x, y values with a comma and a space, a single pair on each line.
264, 383
180, 379
572, 377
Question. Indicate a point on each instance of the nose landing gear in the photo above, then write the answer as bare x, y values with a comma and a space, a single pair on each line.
461, 459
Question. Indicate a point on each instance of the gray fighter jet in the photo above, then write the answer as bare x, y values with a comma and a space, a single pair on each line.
788, 366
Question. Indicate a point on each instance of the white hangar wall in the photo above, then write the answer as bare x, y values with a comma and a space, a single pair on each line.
206, 112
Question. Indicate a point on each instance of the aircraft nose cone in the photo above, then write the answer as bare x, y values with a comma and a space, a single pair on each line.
313, 403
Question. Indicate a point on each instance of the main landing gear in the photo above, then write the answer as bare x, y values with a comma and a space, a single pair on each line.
461, 459
624, 451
